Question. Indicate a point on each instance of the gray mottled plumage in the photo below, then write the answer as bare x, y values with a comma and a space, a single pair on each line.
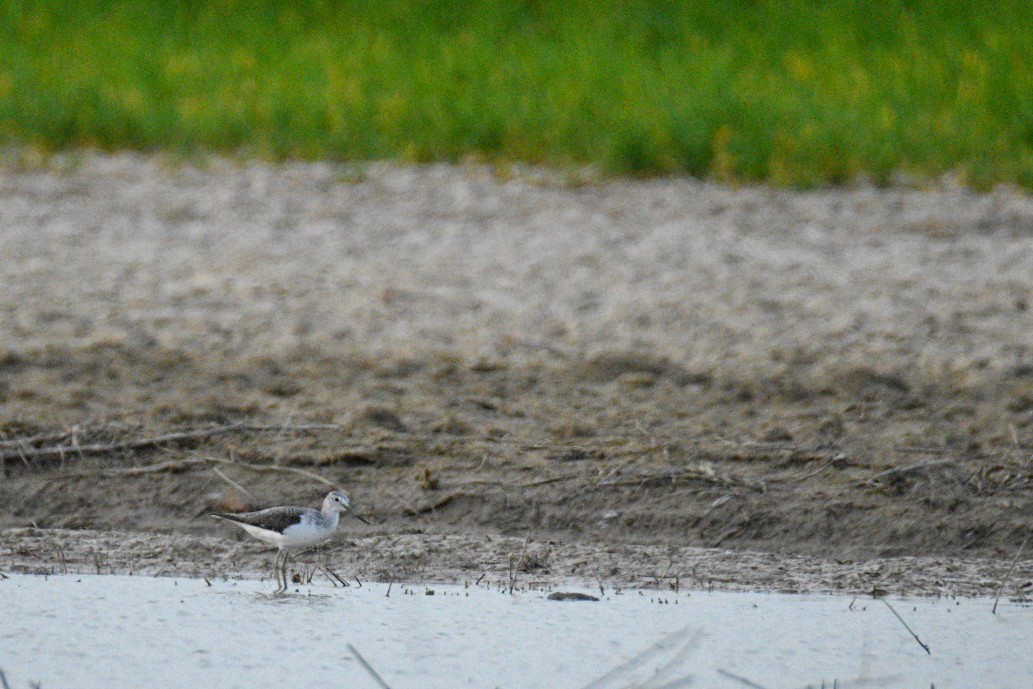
273, 519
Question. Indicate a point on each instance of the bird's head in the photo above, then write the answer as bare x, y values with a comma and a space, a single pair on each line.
338, 501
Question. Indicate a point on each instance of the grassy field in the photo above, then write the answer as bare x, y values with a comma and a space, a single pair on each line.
791, 92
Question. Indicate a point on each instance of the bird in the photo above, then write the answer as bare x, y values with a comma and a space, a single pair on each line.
292, 529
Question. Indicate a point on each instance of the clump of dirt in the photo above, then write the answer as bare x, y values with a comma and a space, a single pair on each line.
633, 365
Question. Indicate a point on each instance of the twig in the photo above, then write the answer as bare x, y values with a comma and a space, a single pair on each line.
814, 473
272, 467
232, 483
546, 481
514, 567
739, 678
141, 443
368, 668
18, 444
785, 446
707, 475
276, 439
42, 437
1007, 575
326, 574
181, 464
334, 575
835, 460
171, 466
897, 615
909, 469
434, 506
616, 470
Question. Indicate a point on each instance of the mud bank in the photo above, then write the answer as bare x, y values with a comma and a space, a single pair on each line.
654, 366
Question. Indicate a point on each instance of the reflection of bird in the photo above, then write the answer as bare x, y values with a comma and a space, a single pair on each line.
293, 528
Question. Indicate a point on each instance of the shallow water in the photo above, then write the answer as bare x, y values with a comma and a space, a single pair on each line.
105, 631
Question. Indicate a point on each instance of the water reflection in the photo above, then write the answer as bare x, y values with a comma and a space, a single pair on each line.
294, 600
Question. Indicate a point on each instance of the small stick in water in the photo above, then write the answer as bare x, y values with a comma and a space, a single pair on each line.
897, 615
1007, 575
739, 678
368, 668
336, 576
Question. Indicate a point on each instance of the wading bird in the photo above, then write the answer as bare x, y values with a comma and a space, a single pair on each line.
292, 529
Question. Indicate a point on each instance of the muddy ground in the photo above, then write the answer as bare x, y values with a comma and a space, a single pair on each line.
620, 381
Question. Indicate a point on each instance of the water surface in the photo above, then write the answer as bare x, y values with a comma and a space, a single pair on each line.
106, 631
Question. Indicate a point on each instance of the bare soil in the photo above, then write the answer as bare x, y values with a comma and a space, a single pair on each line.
516, 371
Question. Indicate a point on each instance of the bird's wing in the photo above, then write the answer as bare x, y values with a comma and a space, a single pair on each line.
273, 519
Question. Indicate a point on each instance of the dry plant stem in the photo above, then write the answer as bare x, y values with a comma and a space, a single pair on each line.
332, 575
434, 506
778, 446
909, 469
910, 631
817, 471
232, 483
273, 468
102, 448
327, 575
740, 679
183, 464
43, 437
515, 566
547, 481
642, 479
368, 668
18, 444
1007, 575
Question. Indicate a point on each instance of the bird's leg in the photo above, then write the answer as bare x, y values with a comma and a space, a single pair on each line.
276, 569
279, 558
286, 556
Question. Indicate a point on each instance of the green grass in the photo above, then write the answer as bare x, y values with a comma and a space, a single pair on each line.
791, 92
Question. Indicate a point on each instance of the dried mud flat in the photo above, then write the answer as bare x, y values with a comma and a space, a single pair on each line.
516, 374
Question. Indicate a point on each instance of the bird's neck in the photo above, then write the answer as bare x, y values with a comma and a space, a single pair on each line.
330, 518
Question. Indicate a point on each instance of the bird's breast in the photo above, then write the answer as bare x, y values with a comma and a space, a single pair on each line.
305, 534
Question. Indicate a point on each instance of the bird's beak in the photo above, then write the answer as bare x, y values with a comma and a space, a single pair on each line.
359, 517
